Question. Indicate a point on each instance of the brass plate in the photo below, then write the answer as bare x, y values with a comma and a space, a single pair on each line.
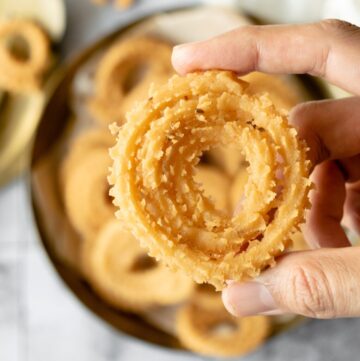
47, 204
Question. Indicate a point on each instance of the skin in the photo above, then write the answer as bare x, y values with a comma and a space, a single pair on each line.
325, 281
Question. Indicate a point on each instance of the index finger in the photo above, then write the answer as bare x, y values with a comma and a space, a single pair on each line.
329, 49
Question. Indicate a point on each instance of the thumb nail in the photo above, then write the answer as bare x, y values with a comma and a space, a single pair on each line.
184, 56
180, 58
247, 299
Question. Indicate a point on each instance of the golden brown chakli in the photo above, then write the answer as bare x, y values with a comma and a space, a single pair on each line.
86, 193
207, 328
124, 275
153, 177
124, 75
24, 55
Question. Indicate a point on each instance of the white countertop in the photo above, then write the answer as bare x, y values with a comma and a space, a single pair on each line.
41, 320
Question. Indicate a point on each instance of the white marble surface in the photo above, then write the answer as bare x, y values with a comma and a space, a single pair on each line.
40, 319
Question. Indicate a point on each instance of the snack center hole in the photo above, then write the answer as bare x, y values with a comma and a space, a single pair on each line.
206, 288
143, 263
107, 196
206, 158
224, 328
133, 77
211, 181
18, 48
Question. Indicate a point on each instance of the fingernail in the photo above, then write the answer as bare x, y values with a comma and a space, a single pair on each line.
180, 58
247, 299
184, 57
181, 50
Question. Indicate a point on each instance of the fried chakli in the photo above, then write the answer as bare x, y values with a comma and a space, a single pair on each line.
125, 74
24, 55
215, 332
86, 193
204, 326
153, 177
89, 140
125, 276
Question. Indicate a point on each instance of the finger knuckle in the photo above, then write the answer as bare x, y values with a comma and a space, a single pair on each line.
310, 291
303, 117
300, 113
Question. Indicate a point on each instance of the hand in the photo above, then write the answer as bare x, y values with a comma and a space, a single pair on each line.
323, 282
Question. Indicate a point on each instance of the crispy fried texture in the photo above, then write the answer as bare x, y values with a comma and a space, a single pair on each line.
24, 55
125, 276
153, 177
125, 74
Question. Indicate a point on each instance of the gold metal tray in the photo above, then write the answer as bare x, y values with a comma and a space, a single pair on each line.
54, 229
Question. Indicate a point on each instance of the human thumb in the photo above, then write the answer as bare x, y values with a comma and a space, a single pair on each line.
323, 283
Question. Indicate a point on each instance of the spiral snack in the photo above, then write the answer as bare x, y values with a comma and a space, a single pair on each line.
153, 177
217, 333
125, 276
24, 55
125, 74
86, 193
86, 142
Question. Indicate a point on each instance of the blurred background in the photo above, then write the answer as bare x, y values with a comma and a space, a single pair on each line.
41, 318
